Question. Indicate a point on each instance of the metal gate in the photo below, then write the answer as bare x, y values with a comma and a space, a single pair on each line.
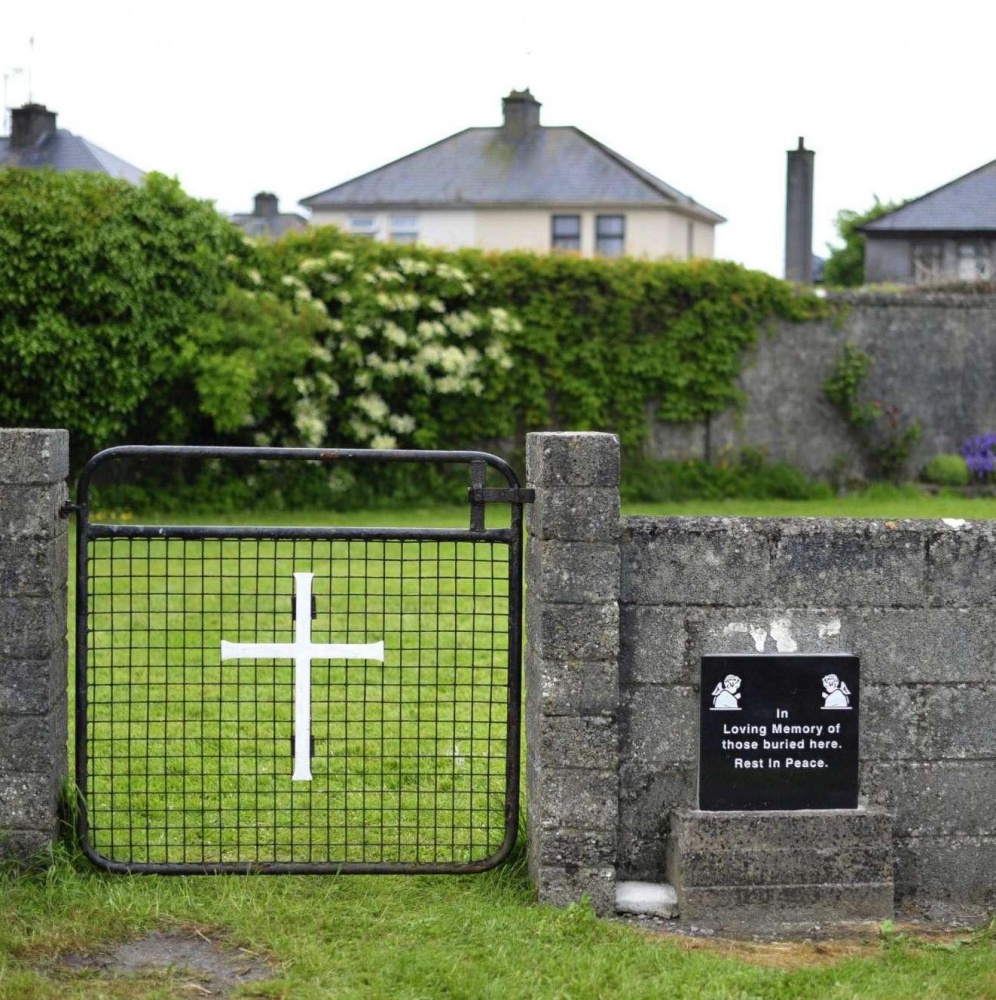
299, 699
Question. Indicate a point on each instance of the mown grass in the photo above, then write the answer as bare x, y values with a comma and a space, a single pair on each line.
464, 936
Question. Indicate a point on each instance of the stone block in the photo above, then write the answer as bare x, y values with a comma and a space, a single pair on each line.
31, 628
27, 744
837, 829
32, 686
574, 687
843, 563
955, 869
574, 514
32, 567
573, 632
584, 848
674, 560
589, 741
563, 886
28, 511
572, 459
933, 645
658, 725
652, 646
579, 799
934, 798
960, 565
645, 799
29, 802
765, 629
800, 865
572, 572
959, 720
33, 455
774, 908
889, 723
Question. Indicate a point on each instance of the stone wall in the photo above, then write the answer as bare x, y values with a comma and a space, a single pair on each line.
914, 600
934, 357
34, 550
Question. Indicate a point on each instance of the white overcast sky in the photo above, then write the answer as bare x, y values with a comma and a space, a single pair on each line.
298, 95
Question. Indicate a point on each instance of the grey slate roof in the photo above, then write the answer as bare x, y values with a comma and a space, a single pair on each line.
62, 150
479, 167
964, 205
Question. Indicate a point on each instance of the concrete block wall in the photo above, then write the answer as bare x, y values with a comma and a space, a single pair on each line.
612, 718
34, 559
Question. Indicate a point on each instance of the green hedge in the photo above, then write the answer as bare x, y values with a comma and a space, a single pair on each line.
139, 314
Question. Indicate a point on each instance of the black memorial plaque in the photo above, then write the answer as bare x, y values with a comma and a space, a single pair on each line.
779, 731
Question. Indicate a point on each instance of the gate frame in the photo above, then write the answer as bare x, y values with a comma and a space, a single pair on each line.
478, 495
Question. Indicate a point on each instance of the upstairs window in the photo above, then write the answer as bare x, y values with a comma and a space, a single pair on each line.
565, 232
404, 228
363, 225
610, 235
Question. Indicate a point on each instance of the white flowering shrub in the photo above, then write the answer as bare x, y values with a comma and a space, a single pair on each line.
404, 353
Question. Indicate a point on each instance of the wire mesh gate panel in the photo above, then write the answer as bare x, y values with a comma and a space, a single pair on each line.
299, 699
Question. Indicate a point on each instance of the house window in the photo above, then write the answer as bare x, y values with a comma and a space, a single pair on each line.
404, 228
610, 235
363, 225
565, 232
974, 262
927, 261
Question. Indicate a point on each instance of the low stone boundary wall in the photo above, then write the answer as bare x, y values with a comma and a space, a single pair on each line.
613, 740
34, 559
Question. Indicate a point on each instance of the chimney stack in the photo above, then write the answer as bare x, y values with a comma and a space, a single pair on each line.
521, 111
29, 125
799, 215
266, 205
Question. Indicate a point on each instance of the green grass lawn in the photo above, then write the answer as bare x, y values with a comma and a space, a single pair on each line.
380, 936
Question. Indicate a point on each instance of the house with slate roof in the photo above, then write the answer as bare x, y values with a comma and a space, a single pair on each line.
521, 186
946, 235
36, 142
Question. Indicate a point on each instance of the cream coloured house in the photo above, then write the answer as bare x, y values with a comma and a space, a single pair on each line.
521, 186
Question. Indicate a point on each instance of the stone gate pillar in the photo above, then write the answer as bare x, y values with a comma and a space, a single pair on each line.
34, 559
572, 683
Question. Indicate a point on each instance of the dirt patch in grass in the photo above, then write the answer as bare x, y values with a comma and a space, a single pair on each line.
187, 959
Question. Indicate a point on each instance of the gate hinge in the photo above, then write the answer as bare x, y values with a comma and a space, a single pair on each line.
68, 509
487, 494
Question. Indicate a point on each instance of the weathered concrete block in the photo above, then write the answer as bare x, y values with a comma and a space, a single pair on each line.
573, 572
579, 799
889, 726
955, 869
32, 567
34, 455
27, 744
960, 565
590, 741
573, 688
784, 908
659, 725
645, 799
30, 686
959, 720
652, 899
764, 629
31, 627
674, 560
572, 458
573, 632
584, 848
31, 511
574, 514
849, 563
572, 884
800, 865
934, 798
29, 801
652, 645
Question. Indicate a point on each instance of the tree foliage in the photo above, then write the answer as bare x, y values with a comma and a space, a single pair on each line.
845, 267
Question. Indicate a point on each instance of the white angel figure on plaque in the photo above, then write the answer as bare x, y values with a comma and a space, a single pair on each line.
836, 694
725, 695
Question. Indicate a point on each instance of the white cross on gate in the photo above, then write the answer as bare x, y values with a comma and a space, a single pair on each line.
302, 651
